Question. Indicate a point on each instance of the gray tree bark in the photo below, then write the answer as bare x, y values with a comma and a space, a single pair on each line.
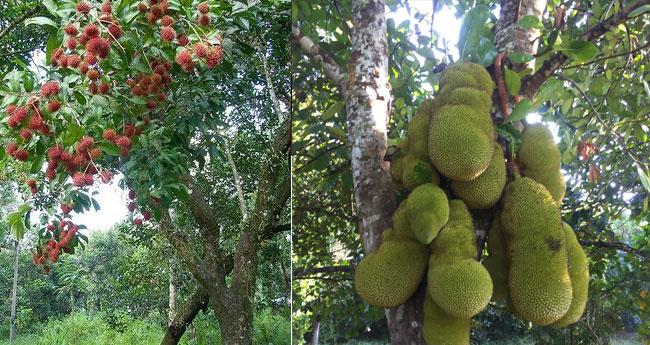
14, 297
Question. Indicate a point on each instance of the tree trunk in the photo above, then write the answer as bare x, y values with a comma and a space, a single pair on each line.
14, 297
172, 296
183, 317
315, 329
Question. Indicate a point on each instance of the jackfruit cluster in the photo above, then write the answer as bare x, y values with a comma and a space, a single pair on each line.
450, 163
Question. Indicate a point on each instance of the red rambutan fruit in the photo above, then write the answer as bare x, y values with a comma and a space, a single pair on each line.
51, 174
88, 179
10, 109
93, 74
167, 34
63, 61
90, 58
46, 269
20, 114
22, 155
95, 153
182, 40
83, 39
83, 67
78, 180
115, 31
83, 7
25, 134
106, 7
71, 30
103, 88
146, 215
151, 105
204, 7
91, 30
204, 20
184, 57
131, 194
72, 43
157, 11
128, 129
131, 207
109, 134
53, 106
73, 61
106, 176
11, 149
166, 21
35, 123
161, 97
213, 57
200, 50
123, 142
142, 8
138, 221
93, 88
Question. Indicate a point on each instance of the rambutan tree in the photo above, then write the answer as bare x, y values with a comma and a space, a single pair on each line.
152, 90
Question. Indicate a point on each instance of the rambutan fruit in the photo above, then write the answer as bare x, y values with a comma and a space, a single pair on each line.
54, 153
98, 46
103, 88
200, 50
204, 7
51, 88
131, 194
66, 157
11, 149
35, 122
167, 34
184, 57
156, 79
213, 57
137, 221
161, 97
10, 109
106, 176
31, 183
92, 88
63, 61
146, 215
12, 121
72, 43
83, 7
51, 174
88, 179
78, 180
156, 11
109, 134
115, 31
160, 69
25, 134
106, 7
130, 82
182, 40
147, 121
20, 114
73, 61
22, 155
83, 39
151, 18
151, 105
46, 269
71, 30
142, 8
128, 129
138, 91
93, 74
66, 250
83, 67
95, 153
123, 142
53, 106
166, 21
131, 207
91, 31
54, 57
204, 20
124, 152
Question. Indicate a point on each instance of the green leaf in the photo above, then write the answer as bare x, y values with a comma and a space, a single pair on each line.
640, 10
471, 29
579, 50
520, 57
109, 148
15, 221
332, 110
486, 52
337, 131
513, 83
520, 111
51, 7
530, 22
421, 174
644, 176
511, 134
36, 165
41, 21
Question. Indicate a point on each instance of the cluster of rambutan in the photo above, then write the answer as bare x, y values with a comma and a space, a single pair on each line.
61, 235
157, 9
152, 85
210, 54
79, 164
146, 215
204, 9
123, 141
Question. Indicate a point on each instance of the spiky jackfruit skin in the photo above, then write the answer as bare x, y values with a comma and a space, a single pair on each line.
458, 148
396, 165
387, 235
497, 261
473, 115
458, 283
540, 159
389, 276
418, 130
440, 328
484, 191
538, 279
478, 72
579, 273
427, 211
401, 228
469, 96
453, 78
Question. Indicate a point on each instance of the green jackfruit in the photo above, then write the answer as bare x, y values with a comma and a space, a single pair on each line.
401, 227
579, 273
458, 148
396, 165
417, 150
453, 78
485, 190
478, 72
440, 328
427, 211
458, 283
538, 280
390, 275
474, 98
479, 119
497, 262
539, 158
387, 235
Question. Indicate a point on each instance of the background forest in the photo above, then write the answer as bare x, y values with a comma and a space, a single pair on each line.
589, 84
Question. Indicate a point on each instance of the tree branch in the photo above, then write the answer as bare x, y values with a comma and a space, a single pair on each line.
314, 51
302, 272
618, 246
530, 85
184, 316
19, 20
240, 193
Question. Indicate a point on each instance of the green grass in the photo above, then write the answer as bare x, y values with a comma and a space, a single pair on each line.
82, 329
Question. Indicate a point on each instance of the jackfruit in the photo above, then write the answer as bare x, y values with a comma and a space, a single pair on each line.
453, 78
440, 328
458, 283
418, 130
476, 117
396, 165
497, 262
485, 190
390, 275
387, 235
579, 273
539, 158
469, 96
427, 211
478, 72
458, 148
401, 228
539, 285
